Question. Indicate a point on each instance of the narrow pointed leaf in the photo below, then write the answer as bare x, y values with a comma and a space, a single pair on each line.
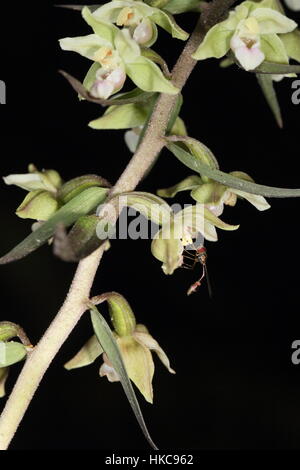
228, 180
110, 347
81, 205
276, 69
266, 84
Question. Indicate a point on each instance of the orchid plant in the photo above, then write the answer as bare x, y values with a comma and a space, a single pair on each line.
257, 36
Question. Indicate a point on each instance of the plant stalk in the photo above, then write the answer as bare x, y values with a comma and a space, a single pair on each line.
75, 304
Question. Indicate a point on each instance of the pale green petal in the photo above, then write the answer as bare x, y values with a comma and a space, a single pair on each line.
166, 21
168, 250
91, 76
257, 201
37, 205
125, 116
11, 352
187, 184
103, 29
271, 21
127, 48
86, 46
139, 365
192, 220
149, 342
218, 222
109, 12
215, 44
87, 354
209, 193
273, 48
28, 181
291, 43
273, 4
148, 76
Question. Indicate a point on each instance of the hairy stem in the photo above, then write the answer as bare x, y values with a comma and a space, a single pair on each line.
75, 304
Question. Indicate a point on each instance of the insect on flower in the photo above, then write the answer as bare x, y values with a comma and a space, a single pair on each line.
198, 256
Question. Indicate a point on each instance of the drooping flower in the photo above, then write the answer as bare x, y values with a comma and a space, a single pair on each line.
42, 186
135, 345
115, 54
253, 31
136, 350
215, 195
141, 20
177, 233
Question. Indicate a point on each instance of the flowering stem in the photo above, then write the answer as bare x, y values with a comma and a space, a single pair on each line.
75, 304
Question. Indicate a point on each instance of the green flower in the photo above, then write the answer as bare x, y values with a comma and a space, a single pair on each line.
184, 226
135, 345
214, 195
41, 201
253, 32
141, 20
115, 55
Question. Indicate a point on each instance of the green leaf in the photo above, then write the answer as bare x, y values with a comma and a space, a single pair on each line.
81, 205
276, 69
87, 354
266, 84
148, 76
228, 180
11, 353
174, 122
110, 347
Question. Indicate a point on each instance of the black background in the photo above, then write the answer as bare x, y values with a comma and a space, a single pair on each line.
235, 387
